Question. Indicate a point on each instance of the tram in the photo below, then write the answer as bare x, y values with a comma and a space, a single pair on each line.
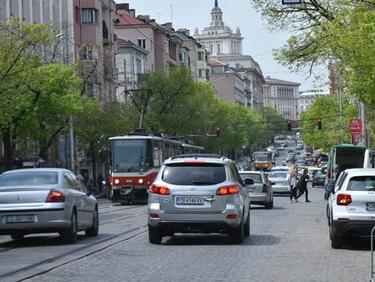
135, 160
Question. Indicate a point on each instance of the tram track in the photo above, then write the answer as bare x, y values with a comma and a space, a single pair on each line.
139, 231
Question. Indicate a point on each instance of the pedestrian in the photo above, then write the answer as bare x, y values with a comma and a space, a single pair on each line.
89, 183
302, 185
99, 183
292, 181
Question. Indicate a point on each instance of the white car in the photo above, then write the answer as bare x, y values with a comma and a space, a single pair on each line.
279, 181
351, 206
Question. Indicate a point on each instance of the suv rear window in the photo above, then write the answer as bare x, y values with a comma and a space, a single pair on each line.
194, 174
362, 183
256, 177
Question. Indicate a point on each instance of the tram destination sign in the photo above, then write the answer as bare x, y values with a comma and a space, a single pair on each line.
291, 2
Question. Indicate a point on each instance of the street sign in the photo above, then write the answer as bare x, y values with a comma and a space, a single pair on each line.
291, 2
355, 126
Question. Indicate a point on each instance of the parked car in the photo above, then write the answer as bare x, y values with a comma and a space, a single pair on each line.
260, 191
351, 206
318, 179
279, 180
198, 193
45, 200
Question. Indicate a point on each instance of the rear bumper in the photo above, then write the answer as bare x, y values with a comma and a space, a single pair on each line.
258, 198
49, 220
281, 189
126, 192
357, 228
318, 183
171, 227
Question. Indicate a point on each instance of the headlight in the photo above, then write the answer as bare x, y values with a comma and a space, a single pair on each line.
117, 181
140, 181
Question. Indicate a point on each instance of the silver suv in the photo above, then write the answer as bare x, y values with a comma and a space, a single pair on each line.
198, 194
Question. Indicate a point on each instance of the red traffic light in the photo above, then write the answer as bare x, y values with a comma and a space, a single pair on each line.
319, 122
218, 131
289, 125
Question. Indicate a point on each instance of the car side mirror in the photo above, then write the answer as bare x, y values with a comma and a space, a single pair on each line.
273, 183
249, 181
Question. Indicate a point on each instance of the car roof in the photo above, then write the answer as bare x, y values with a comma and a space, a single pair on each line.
205, 158
37, 170
360, 171
250, 171
280, 168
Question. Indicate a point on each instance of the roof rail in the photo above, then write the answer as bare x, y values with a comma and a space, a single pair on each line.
198, 156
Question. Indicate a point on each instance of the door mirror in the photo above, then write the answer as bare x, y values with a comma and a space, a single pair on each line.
249, 181
273, 183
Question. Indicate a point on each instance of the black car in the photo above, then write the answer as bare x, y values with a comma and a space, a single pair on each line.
318, 179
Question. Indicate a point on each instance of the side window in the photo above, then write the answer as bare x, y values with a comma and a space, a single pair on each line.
68, 181
235, 173
340, 181
157, 154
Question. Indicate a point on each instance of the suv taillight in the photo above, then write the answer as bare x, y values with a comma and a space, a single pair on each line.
343, 199
55, 197
227, 190
160, 190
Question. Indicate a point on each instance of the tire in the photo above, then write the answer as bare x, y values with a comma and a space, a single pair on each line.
70, 235
269, 204
155, 235
246, 231
93, 231
313, 185
237, 234
337, 242
17, 236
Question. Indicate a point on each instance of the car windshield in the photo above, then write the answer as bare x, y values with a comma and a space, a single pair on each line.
194, 174
29, 178
278, 174
256, 177
362, 183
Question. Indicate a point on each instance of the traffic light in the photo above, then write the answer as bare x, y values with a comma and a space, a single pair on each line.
289, 125
319, 122
218, 131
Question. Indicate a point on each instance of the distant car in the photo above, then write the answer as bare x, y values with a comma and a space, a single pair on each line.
300, 162
198, 194
299, 146
351, 206
279, 180
291, 157
318, 179
46, 200
280, 168
260, 191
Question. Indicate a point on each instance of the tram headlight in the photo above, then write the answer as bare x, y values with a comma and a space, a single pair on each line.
140, 181
117, 181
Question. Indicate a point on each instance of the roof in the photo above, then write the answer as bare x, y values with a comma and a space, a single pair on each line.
205, 158
271, 80
215, 63
37, 169
124, 19
360, 171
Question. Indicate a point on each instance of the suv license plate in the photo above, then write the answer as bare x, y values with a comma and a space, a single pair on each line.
191, 201
370, 206
19, 219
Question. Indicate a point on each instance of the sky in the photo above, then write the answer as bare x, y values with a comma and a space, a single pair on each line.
258, 41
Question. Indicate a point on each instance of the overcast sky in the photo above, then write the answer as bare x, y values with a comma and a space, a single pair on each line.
258, 40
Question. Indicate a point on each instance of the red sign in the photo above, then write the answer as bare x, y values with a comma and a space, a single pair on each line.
355, 126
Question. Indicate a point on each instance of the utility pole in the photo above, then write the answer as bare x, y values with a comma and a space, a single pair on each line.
362, 117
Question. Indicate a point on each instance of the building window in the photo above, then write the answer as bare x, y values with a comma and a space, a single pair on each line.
88, 53
142, 43
218, 48
90, 90
200, 73
200, 56
88, 15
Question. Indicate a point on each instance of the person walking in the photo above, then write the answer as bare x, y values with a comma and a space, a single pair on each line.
292, 180
302, 186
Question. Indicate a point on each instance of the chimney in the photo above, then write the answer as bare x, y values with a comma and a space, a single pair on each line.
144, 18
122, 8
184, 31
132, 12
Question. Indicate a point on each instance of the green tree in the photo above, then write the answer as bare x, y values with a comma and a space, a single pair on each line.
327, 108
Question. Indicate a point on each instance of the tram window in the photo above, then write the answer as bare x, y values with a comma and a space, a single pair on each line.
158, 154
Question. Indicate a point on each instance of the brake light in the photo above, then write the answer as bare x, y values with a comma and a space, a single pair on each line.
194, 162
227, 190
55, 197
343, 199
160, 190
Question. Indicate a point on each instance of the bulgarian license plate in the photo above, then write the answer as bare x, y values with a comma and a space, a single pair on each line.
370, 206
189, 200
19, 219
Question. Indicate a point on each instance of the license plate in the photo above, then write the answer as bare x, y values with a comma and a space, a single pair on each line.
19, 219
370, 206
191, 201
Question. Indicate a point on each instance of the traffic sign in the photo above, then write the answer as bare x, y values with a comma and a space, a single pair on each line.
291, 2
355, 126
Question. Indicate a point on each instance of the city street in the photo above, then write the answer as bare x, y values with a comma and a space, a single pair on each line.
287, 243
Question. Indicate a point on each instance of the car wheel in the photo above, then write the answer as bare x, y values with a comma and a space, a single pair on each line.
94, 229
155, 235
268, 204
70, 235
337, 242
237, 233
17, 236
246, 231
313, 185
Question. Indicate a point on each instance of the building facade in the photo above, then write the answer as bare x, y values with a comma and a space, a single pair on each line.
283, 96
229, 85
84, 32
306, 98
225, 46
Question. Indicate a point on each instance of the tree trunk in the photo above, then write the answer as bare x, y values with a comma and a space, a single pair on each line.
8, 149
